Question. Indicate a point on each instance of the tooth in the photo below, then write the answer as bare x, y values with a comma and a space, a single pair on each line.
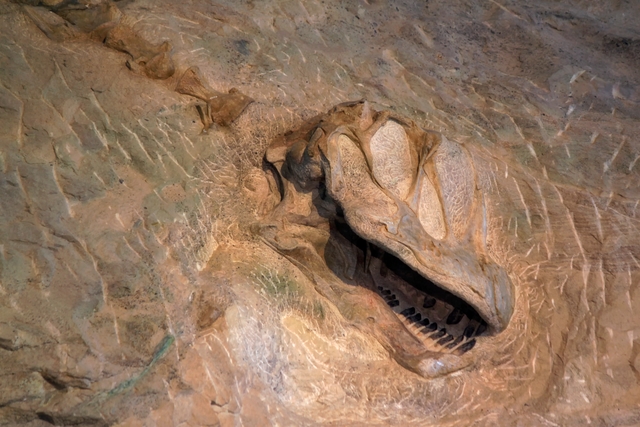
408, 311
424, 322
468, 331
444, 340
384, 270
386, 292
394, 303
442, 332
428, 329
367, 258
429, 302
481, 328
416, 317
455, 317
455, 342
466, 347
390, 297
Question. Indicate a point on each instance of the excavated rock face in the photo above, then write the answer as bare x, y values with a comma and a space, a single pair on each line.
461, 249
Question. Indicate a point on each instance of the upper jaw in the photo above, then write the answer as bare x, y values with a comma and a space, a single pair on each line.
382, 213
483, 284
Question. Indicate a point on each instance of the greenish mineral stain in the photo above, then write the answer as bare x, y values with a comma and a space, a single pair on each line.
161, 351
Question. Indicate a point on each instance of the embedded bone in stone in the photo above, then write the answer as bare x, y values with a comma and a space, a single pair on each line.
352, 163
457, 185
430, 212
392, 159
342, 258
221, 108
191, 83
154, 60
226, 107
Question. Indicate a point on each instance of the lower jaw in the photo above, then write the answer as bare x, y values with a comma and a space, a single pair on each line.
447, 327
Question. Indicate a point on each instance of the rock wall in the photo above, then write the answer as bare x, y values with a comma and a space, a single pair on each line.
137, 290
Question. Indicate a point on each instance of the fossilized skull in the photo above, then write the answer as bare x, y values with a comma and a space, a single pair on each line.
369, 199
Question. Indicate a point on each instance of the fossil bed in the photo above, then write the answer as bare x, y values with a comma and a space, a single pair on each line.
136, 287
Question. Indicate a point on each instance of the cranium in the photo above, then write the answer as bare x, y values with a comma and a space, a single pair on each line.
370, 199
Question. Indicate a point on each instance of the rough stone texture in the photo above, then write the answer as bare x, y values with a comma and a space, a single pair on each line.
137, 290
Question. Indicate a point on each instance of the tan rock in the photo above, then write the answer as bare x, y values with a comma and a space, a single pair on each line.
154, 274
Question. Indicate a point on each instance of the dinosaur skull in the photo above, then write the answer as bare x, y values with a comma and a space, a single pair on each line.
372, 203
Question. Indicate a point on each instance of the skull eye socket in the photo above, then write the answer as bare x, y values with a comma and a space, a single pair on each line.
430, 210
392, 161
393, 167
456, 180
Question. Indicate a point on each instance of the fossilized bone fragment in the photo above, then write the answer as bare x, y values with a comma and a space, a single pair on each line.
221, 108
393, 212
155, 61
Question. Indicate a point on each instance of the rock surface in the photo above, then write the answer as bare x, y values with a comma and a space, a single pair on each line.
137, 290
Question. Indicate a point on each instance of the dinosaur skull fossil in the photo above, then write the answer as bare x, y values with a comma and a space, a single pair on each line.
371, 200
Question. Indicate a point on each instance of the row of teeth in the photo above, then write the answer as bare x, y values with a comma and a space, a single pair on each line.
434, 337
